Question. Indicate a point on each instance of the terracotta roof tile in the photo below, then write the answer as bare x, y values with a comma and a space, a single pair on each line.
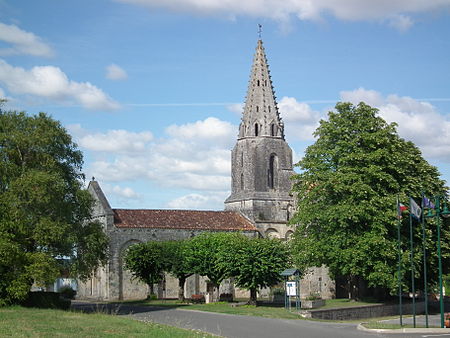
182, 219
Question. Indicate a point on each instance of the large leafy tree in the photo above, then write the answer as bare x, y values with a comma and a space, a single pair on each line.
204, 253
255, 263
176, 263
347, 189
147, 262
44, 212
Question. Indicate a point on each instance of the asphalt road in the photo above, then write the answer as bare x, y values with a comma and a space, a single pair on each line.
234, 326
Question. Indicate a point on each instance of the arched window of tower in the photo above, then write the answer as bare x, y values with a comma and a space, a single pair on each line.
256, 129
257, 83
242, 181
272, 129
273, 162
257, 109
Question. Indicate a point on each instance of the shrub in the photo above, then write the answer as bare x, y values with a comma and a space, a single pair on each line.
67, 292
313, 296
198, 299
46, 300
152, 297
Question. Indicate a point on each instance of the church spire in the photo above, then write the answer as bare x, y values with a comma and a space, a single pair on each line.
260, 117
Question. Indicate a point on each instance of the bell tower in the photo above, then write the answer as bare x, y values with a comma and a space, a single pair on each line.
261, 160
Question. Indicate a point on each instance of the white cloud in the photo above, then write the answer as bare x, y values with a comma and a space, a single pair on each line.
400, 22
52, 83
114, 72
417, 121
125, 192
237, 108
210, 129
198, 201
193, 156
397, 13
118, 141
22, 42
300, 119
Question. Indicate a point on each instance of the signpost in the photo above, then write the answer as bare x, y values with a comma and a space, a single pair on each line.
292, 288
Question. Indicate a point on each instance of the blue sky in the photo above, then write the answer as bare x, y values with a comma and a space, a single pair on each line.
151, 89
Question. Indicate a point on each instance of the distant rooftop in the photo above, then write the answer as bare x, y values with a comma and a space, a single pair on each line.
182, 219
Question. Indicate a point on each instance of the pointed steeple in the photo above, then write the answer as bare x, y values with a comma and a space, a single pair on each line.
260, 117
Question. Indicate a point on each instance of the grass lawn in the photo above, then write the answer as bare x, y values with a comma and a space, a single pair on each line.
29, 322
264, 310
345, 302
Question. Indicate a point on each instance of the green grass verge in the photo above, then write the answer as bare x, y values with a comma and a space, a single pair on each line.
264, 310
29, 322
344, 302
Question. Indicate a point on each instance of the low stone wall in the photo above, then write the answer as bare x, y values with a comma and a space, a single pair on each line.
364, 311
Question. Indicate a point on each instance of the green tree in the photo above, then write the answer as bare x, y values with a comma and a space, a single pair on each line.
255, 263
203, 256
350, 178
176, 263
147, 262
44, 210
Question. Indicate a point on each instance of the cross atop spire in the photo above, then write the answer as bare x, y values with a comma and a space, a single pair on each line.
260, 117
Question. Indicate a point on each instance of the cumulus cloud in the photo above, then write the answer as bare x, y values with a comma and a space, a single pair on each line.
22, 42
114, 72
237, 108
193, 156
198, 201
396, 13
300, 119
400, 22
417, 121
116, 141
125, 192
52, 83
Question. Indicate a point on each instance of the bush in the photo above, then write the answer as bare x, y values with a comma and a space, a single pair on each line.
46, 300
67, 292
197, 299
152, 297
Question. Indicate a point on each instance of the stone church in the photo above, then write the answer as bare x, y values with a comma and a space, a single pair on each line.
260, 204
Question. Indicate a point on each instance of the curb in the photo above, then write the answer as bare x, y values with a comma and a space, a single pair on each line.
361, 327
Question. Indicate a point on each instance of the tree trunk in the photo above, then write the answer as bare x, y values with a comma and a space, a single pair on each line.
216, 295
354, 291
181, 282
253, 297
151, 290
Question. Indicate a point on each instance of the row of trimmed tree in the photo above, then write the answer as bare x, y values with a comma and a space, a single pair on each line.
253, 262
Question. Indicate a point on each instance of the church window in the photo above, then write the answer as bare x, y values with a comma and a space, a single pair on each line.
256, 129
272, 129
242, 159
272, 171
265, 83
242, 181
257, 109
257, 82
269, 109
